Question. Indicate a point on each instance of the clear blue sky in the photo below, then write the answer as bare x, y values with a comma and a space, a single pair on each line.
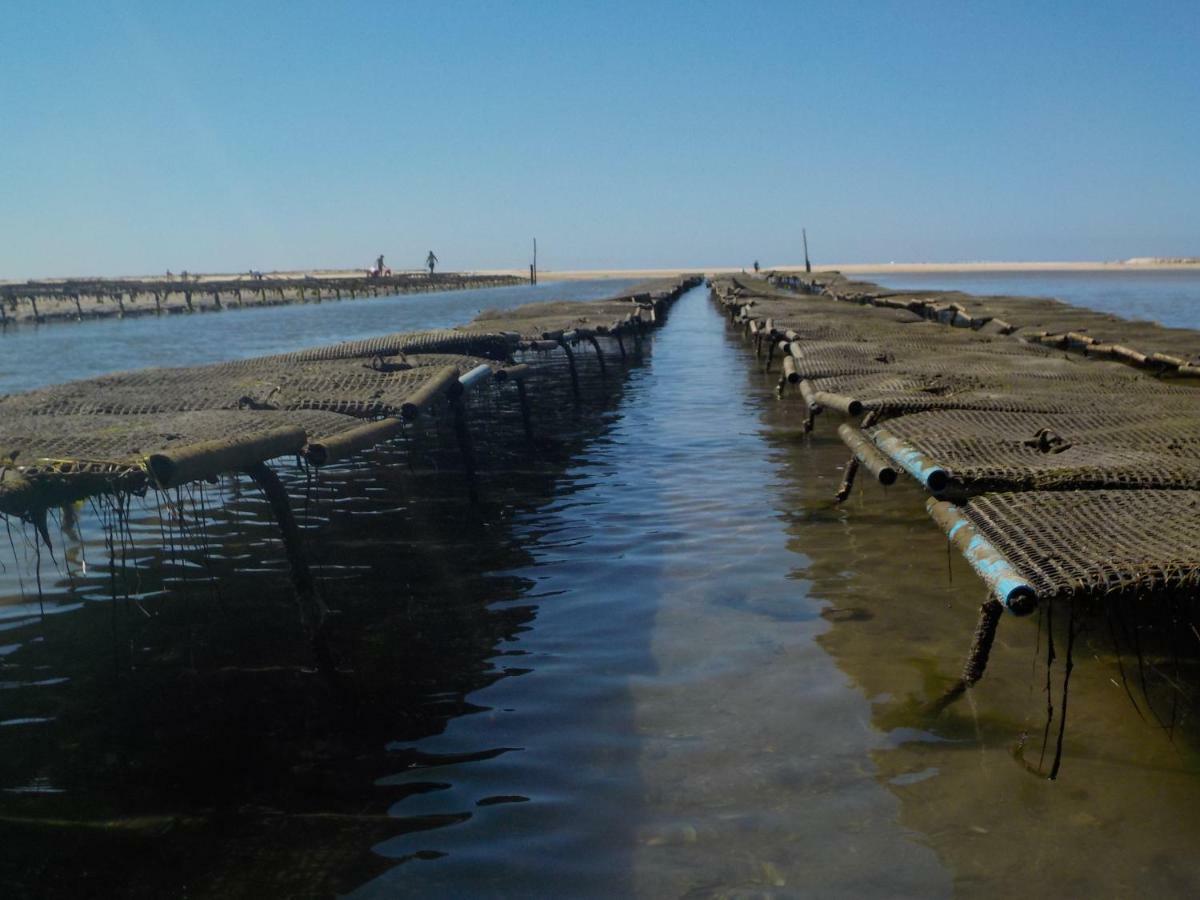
136, 137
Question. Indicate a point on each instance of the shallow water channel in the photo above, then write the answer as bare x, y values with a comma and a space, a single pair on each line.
655, 659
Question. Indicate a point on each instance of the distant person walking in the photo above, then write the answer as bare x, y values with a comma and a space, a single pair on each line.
431, 260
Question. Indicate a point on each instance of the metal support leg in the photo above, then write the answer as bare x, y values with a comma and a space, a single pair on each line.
571, 364
847, 479
981, 644
977, 658
852, 466
599, 355
313, 610
465, 446
525, 417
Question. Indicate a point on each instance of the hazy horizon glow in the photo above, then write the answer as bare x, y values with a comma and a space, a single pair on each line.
222, 137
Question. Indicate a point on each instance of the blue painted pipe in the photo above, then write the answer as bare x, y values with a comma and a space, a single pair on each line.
913, 461
1005, 583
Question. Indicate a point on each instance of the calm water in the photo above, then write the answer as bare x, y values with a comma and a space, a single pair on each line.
1168, 297
654, 660
32, 356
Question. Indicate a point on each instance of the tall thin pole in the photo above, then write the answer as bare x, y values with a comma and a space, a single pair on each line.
533, 271
807, 264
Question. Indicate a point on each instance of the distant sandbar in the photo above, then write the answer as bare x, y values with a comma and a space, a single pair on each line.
1137, 264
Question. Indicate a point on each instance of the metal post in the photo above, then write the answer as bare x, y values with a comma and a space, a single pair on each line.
312, 607
599, 355
465, 446
526, 419
571, 364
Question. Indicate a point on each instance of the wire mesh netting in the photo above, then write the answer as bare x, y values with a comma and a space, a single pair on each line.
1095, 542
991, 451
107, 428
1051, 443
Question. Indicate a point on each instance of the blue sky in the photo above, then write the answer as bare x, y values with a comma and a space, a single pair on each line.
136, 137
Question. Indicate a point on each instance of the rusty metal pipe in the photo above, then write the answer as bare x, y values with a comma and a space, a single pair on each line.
425, 395
867, 453
514, 373
339, 446
847, 406
790, 375
207, 459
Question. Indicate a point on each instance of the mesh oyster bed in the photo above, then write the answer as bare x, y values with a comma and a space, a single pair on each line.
160, 428
1002, 419
1061, 447
95, 298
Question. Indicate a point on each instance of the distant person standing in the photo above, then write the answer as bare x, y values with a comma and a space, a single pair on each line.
431, 260
379, 265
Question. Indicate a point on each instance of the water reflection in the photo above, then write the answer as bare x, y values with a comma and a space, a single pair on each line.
1123, 816
681, 732
167, 727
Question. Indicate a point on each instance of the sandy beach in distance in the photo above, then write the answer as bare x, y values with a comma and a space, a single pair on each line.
1132, 265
